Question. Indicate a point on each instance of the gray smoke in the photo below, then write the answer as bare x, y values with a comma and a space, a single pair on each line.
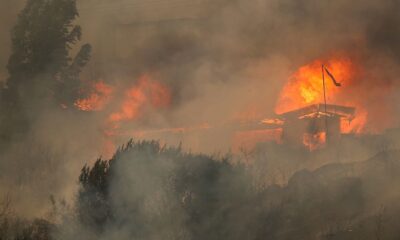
218, 58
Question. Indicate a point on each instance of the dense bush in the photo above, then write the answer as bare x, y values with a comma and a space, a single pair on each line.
154, 190
148, 191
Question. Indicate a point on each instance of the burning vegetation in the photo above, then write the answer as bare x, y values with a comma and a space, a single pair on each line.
302, 117
259, 132
123, 105
99, 96
301, 113
146, 92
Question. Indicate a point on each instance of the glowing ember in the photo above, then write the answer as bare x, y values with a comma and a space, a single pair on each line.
272, 121
314, 141
97, 99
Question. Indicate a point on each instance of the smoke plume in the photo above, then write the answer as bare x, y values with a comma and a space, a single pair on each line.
221, 61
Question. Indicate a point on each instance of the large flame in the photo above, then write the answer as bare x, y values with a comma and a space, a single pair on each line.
122, 105
147, 92
305, 87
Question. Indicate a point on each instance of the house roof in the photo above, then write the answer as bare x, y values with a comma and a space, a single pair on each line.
331, 110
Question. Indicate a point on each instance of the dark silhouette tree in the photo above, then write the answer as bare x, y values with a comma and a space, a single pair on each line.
196, 196
41, 71
93, 206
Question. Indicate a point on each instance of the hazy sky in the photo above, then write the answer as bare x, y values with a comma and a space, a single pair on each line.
218, 58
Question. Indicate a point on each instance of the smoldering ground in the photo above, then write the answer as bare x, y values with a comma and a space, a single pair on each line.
227, 57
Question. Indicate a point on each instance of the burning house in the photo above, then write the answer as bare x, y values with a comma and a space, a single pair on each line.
310, 127
314, 125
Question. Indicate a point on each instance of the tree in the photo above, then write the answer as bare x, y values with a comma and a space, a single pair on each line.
147, 191
40, 68
93, 206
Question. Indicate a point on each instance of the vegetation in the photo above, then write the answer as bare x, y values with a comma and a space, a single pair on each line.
41, 71
159, 191
148, 191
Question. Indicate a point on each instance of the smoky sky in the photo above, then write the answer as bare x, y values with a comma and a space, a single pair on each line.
222, 40
9, 10
218, 58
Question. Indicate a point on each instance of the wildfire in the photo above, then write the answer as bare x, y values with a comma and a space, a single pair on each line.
146, 92
305, 85
314, 141
305, 88
100, 95
123, 105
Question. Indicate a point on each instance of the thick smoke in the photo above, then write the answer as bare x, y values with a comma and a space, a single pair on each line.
9, 11
220, 59
233, 57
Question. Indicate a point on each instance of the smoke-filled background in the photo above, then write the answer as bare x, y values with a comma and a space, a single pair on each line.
183, 72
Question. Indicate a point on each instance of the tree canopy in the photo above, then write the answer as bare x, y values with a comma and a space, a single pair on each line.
41, 70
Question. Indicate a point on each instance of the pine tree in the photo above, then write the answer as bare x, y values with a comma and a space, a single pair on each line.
41, 71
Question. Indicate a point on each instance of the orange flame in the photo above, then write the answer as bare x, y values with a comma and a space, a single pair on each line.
314, 141
305, 87
145, 92
97, 99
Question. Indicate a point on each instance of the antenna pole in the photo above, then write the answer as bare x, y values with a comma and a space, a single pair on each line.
326, 113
